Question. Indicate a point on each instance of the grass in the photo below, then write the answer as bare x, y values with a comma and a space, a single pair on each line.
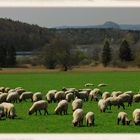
104, 122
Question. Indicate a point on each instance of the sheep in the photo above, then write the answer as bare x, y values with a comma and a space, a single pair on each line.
102, 104
95, 94
3, 97
11, 90
38, 106
26, 95
6, 89
37, 96
136, 116
116, 93
12, 96
123, 117
105, 95
69, 97
2, 89
82, 95
1, 111
102, 85
68, 89
78, 116
90, 119
20, 91
9, 110
136, 98
89, 84
59, 96
77, 103
62, 107
50, 96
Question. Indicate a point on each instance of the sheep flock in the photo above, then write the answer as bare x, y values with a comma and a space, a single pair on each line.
72, 99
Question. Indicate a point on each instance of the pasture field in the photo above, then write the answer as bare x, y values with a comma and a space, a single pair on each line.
104, 122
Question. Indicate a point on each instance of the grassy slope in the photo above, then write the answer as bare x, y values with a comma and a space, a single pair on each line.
104, 122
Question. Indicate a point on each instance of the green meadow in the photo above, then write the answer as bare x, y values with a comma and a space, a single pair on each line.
104, 122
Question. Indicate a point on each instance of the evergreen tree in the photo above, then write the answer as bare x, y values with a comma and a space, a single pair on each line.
125, 51
106, 54
2, 56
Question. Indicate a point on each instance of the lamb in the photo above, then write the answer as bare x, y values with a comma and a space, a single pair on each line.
37, 96
26, 95
69, 97
59, 95
95, 94
38, 106
12, 96
50, 96
77, 103
90, 119
136, 98
9, 110
105, 95
78, 116
102, 104
123, 117
62, 107
136, 116
3, 97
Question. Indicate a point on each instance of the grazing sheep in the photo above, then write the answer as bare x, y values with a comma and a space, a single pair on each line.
50, 96
95, 94
37, 96
77, 103
102, 85
116, 93
136, 116
2, 89
59, 96
20, 91
26, 95
62, 107
1, 111
89, 84
9, 110
90, 119
12, 97
68, 89
38, 106
123, 117
102, 104
69, 97
11, 90
3, 97
78, 116
105, 95
6, 89
82, 95
136, 98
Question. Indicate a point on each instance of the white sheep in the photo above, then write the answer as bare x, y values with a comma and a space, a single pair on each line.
38, 106
59, 96
37, 96
95, 94
77, 103
105, 95
136, 98
82, 95
3, 97
90, 119
89, 84
62, 107
9, 110
102, 104
2, 89
50, 96
102, 85
116, 93
123, 117
69, 97
6, 89
136, 116
78, 116
12, 97
26, 95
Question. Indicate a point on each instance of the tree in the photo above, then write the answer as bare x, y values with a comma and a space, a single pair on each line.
106, 54
125, 51
2, 56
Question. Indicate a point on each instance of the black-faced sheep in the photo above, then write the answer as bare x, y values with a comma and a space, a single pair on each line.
90, 119
9, 110
26, 95
123, 117
78, 116
136, 116
61, 107
77, 103
38, 106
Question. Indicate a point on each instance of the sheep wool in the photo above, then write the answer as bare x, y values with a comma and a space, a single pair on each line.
123, 117
90, 119
77, 103
136, 116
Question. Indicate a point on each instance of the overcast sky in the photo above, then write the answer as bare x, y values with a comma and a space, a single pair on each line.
50, 17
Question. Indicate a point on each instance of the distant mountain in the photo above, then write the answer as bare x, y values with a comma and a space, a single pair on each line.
106, 25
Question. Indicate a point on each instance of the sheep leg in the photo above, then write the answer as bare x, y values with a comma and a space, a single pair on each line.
40, 112
87, 123
118, 121
93, 122
123, 121
36, 113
